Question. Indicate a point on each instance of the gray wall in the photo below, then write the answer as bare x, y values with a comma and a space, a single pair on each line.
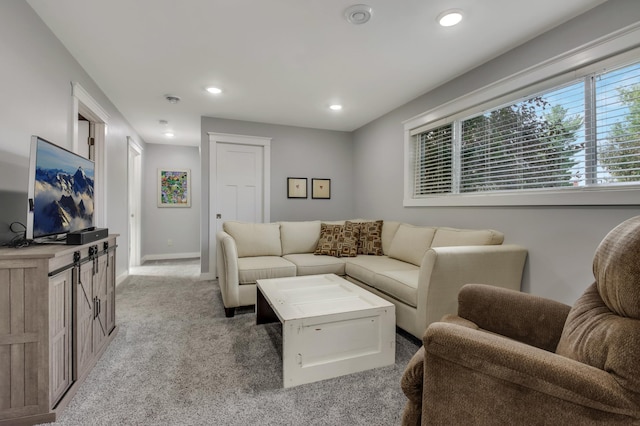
295, 152
35, 81
161, 224
561, 240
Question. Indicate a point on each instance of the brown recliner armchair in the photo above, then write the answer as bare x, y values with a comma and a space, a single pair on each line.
512, 358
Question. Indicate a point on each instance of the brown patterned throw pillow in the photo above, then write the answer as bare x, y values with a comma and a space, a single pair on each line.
370, 241
338, 240
329, 237
349, 243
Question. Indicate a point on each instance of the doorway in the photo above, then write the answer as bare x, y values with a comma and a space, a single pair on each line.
83, 105
239, 183
84, 137
134, 179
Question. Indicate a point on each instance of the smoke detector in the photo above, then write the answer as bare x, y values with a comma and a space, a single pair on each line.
172, 99
358, 14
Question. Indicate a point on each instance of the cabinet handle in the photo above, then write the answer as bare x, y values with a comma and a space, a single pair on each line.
96, 314
97, 307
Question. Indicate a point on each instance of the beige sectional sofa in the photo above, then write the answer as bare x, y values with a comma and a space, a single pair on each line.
420, 269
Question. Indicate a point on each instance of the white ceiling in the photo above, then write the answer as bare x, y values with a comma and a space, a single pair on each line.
283, 61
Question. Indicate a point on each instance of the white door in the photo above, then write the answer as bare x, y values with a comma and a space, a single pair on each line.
135, 201
239, 183
239, 186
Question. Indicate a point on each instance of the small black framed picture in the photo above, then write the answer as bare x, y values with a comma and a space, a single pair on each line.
321, 188
296, 187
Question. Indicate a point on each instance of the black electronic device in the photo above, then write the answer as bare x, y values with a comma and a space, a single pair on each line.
60, 195
85, 236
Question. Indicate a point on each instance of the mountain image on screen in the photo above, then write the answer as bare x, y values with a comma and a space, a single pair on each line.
63, 201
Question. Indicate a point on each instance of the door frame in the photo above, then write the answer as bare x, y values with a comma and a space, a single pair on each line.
226, 138
134, 170
83, 103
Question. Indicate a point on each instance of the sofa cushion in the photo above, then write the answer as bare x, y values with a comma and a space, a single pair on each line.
334, 222
448, 237
389, 229
299, 237
411, 242
338, 240
401, 285
255, 239
365, 268
251, 269
312, 264
370, 241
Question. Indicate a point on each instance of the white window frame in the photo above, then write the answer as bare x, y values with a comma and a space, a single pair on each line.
554, 72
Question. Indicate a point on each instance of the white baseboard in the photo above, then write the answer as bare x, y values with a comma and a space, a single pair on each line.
120, 278
207, 276
169, 256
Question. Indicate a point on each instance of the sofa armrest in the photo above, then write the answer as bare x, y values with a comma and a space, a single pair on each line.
527, 318
444, 270
227, 263
482, 368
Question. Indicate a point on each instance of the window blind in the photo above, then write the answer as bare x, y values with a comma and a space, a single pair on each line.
433, 161
618, 125
582, 133
531, 144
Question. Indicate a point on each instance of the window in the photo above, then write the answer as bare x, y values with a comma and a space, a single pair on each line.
618, 125
531, 144
433, 161
583, 134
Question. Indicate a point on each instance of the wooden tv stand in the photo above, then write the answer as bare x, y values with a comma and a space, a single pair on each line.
57, 317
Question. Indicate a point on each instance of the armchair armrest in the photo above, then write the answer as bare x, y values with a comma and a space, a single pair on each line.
444, 270
524, 317
480, 369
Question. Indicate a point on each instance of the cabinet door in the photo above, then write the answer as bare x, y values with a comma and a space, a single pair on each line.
59, 335
110, 307
22, 391
83, 298
100, 332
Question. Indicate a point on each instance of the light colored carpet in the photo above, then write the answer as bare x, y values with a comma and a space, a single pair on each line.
178, 361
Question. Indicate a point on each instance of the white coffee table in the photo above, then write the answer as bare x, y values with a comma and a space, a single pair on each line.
330, 327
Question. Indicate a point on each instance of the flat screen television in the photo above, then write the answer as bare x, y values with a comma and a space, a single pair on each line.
60, 192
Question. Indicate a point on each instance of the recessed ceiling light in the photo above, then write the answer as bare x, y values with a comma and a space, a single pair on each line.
214, 90
335, 107
169, 134
450, 17
358, 14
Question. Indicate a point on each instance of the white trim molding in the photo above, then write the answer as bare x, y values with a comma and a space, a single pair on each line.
122, 277
624, 39
616, 48
169, 256
214, 139
84, 104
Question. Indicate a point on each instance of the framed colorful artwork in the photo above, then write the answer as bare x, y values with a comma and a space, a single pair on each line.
321, 188
174, 187
296, 187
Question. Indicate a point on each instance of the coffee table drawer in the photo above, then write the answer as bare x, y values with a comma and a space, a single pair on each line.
334, 345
